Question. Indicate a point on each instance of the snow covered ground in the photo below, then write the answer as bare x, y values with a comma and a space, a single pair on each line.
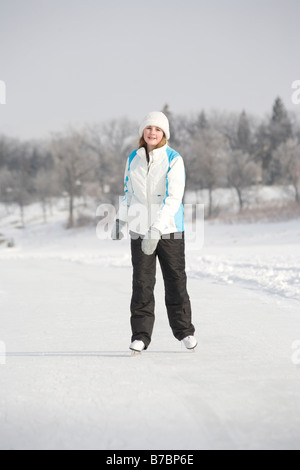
69, 381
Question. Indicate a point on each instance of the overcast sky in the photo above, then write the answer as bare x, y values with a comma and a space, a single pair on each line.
83, 61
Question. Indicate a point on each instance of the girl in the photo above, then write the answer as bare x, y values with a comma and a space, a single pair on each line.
154, 189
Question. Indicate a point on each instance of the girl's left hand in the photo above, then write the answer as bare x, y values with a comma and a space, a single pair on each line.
150, 242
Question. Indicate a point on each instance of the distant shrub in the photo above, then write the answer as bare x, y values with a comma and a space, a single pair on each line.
269, 212
84, 220
11, 243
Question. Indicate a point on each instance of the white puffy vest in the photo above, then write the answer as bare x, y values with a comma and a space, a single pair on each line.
154, 192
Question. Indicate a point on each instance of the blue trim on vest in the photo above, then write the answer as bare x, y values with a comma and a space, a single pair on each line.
131, 158
179, 219
179, 216
171, 154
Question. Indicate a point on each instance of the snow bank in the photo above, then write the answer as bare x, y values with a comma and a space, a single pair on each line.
265, 257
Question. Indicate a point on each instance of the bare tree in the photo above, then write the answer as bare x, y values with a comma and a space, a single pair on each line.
242, 172
75, 162
244, 137
111, 142
6, 188
287, 157
22, 176
270, 135
20, 191
209, 162
226, 124
119, 139
46, 186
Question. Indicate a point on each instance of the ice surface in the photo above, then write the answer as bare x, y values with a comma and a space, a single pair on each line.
69, 381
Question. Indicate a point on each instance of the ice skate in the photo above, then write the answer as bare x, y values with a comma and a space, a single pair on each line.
190, 342
137, 347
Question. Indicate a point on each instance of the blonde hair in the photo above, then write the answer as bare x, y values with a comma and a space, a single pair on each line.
142, 143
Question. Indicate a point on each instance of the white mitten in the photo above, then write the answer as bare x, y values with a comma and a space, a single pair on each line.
150, 242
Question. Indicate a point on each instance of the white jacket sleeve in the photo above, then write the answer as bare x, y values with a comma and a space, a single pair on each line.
125, 203
175, 181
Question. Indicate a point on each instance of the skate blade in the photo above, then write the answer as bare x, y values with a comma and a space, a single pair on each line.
192, 350
135, 353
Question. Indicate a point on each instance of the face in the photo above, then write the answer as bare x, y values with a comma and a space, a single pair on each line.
153, 136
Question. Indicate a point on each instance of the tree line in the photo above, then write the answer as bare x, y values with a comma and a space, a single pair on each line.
221, 150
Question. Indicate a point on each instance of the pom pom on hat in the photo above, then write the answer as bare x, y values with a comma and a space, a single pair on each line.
157, 119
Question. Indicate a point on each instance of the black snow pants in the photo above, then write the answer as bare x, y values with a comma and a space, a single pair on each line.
171, 255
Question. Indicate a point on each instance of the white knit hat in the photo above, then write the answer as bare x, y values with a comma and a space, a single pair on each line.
158, 119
